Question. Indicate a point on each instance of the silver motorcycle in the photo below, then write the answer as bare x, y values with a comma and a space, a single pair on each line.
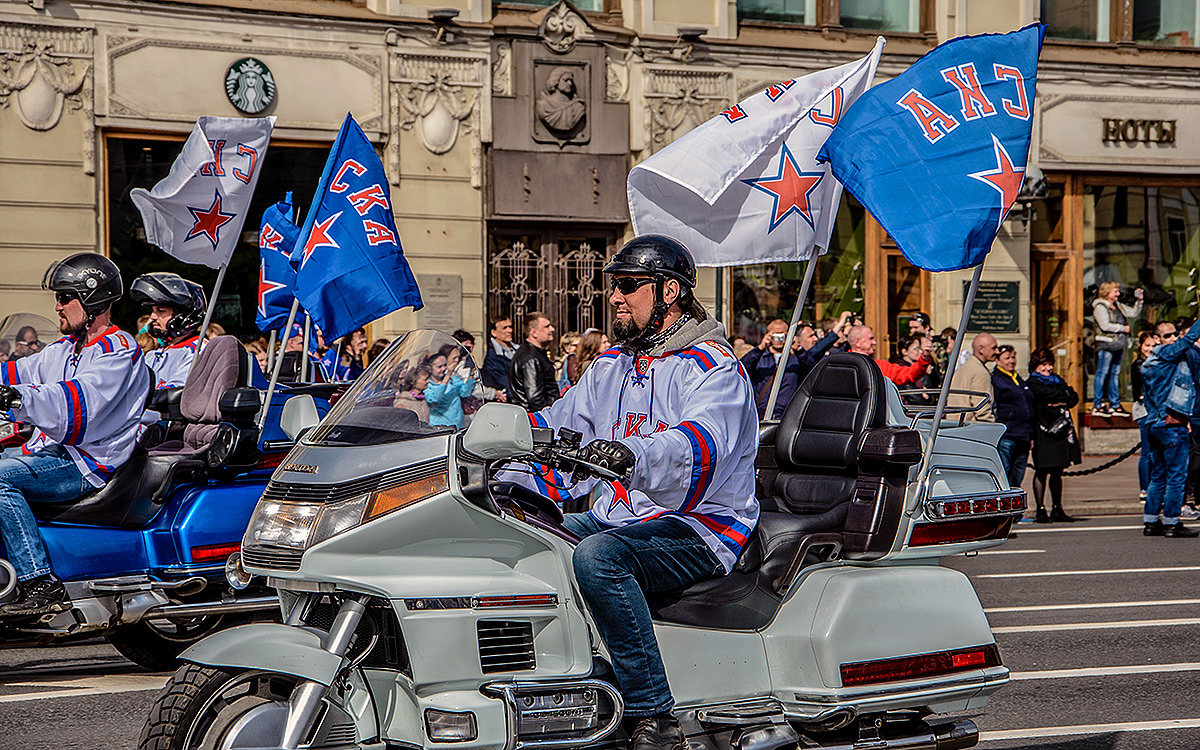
428, 605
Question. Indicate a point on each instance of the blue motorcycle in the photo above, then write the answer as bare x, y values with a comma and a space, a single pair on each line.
143, 557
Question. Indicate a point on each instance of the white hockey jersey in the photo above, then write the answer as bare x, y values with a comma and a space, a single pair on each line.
687, 412
170, 364
91, 403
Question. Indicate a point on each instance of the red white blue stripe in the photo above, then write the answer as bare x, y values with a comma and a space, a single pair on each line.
76, 412
704, 450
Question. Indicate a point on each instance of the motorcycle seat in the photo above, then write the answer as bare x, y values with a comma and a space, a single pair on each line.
223, 364
806, 484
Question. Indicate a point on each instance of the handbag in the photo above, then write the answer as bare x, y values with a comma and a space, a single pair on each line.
1119, 343
1059, 427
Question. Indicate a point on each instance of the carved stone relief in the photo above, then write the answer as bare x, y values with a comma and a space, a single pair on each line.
438, 98
44, 70
502, 66
562, 26
616, 74
678, 100
561, 103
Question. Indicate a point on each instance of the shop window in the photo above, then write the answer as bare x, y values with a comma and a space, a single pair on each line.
881, 15
1144, 236
134, 161
1076, 19
786, 11
1166, 23
763, 292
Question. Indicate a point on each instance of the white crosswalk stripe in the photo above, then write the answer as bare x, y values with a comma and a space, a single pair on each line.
1078, 729
83, 686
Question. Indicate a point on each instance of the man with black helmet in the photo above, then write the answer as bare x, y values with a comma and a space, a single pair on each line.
84, 395
672, 406
176, 308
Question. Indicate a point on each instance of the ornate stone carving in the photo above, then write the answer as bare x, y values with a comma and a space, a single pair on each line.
616, 74
678, 100
562, 26
438, 98
45, 70
502, 81
559, 106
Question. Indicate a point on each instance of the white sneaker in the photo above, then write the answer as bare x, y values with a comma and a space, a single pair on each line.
1189, 511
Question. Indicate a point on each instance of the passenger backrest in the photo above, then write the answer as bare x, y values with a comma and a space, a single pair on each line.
816, 445
221, 365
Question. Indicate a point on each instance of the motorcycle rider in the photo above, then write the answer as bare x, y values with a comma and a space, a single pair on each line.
176, 308
672, 404
84, 395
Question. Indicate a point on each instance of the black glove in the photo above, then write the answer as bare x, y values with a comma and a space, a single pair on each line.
608, 454
9, 397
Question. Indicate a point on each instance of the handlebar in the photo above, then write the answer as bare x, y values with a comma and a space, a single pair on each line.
562, 454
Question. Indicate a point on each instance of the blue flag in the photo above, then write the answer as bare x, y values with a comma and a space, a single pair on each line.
350, 268
938, 153
276, 277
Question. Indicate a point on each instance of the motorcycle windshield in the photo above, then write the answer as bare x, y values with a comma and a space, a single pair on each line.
424, 384
22, 334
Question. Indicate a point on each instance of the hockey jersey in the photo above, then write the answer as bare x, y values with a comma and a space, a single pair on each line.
89, 402
686, 410
171, 364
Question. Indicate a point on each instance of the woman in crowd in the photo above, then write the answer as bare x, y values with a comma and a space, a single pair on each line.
258, 348
908, 352
1014, 409
567, 366
1055, 445
447, 389
591, 344
1147, 340
411, 394
1112, 339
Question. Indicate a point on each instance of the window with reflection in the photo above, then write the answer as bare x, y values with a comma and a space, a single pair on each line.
786, 11
881, 15
1076, 19
1165, 23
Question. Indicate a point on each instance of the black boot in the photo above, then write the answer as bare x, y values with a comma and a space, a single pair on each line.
1057, 514
1179, 531
660, 732
1155, 528
1041, 517
42, 595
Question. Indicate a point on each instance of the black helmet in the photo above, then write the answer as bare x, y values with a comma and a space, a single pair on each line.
656, 255
91, 277
185, 298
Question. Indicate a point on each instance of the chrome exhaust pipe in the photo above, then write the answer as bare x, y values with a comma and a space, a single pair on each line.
198, 609
960, 734
954, 736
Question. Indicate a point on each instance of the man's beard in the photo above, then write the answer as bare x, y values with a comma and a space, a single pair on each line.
65, 327
626, 331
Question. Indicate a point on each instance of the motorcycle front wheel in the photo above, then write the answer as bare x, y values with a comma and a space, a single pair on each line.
205, 708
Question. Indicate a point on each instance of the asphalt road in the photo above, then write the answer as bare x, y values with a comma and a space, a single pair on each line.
1099, 625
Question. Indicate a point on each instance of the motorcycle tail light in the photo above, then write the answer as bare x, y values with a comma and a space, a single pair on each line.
394, 498
920, 665
214, 552
960, 530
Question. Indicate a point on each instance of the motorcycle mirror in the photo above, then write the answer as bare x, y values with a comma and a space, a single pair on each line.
299, 414
498, 431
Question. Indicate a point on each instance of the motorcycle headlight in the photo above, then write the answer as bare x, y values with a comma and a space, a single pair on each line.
302, 525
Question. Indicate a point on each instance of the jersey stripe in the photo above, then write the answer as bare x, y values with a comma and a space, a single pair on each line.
700, 357
76, 412
101, 470
9, 374
733, 534
703, 450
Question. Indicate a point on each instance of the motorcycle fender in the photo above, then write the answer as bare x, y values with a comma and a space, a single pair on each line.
270, 647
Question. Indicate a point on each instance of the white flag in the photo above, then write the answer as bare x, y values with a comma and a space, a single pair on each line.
196, 212
745, 187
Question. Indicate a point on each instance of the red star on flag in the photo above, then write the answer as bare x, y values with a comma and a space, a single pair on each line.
208, 222
1005, 178
319, 237
790, 190
265, 287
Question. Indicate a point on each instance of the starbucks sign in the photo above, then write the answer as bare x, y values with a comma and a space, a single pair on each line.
249, 86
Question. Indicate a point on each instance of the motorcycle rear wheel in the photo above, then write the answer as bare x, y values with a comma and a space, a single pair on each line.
200, 708
157, 644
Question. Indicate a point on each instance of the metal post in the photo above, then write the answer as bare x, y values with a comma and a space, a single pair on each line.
304, 353
212, 304
927, 457
809, 271
271, 350
277, 365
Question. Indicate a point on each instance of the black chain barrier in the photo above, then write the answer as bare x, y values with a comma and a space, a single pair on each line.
1103, 466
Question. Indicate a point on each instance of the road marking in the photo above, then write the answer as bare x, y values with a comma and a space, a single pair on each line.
1054, 674
1005, 552
1095, 605
1128, 726
85, 686
1097, 625
1104, 571
1023, 530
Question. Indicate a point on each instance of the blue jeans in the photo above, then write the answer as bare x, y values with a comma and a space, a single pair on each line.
1168, 472
1014, 455
1108, 376
47, 476
1144, 455
615, 569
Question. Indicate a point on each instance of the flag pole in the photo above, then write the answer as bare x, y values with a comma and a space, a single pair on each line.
927, 456
271, 350
212, 305
809, 271
304, 355
277, 365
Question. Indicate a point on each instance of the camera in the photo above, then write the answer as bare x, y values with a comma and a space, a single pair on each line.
853, 319
778, 336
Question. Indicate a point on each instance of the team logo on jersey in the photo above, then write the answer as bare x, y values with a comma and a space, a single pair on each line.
249, 86
642, 365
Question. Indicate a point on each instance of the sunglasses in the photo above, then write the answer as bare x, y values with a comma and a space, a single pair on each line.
1171, 335
628, 284
65, 298
1005, 349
